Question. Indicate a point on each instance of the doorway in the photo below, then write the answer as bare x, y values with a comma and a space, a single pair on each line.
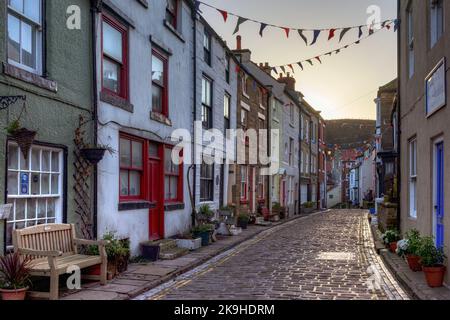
439, 193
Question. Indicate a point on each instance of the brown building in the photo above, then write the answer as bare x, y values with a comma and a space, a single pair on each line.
251, 190
424, 50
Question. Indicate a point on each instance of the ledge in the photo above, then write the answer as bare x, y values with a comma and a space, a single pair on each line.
158, 117
144, 3
29, 77
135, 205
174, 206
174, 31
116, 101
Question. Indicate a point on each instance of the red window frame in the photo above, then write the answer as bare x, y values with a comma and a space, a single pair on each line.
142, 171
165, 89
124, 77
173, 15
179, 197
244, 192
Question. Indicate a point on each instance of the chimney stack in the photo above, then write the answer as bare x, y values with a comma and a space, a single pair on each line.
265, 67
289, 81
238, 43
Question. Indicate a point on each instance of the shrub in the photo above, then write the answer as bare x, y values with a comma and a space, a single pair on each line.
390, 236
14, 273
430, 255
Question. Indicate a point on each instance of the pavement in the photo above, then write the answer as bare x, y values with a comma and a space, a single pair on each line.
325, 256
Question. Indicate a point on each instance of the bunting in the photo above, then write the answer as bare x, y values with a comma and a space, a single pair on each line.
238, 25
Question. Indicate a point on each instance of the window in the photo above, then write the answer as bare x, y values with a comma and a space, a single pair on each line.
173, 183
291, 151
437, 20
410, 26
206, 182
244, 85
244, 118
227, 67
115, 57
159, 84
413, 178
244, 183
291, 114
206, 103
25, 34
260, 186
261, 97
34, 187
172, 13
131, 168
207, 47
226, 111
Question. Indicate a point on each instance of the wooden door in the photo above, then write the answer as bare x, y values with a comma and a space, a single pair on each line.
156, 214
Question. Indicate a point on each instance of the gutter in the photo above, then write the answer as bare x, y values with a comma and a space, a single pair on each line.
194, 149
399, 144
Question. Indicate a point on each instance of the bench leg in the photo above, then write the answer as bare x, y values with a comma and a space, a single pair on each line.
54, 286
104, 273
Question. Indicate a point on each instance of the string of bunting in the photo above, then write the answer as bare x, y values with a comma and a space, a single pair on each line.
301, 31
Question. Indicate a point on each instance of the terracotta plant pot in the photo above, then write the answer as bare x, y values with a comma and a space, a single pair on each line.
414, 262
434, 276
393, 247
13, 295
93, 271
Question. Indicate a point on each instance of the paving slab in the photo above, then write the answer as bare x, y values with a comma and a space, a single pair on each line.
95, 295
155, 270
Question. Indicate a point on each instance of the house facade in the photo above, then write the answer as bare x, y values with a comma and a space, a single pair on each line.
321, 166
48, 66
423, 114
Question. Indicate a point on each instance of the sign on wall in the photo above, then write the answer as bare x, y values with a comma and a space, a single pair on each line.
436, 88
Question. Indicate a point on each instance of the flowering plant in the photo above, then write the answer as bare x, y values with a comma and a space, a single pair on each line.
402, 247
390, 236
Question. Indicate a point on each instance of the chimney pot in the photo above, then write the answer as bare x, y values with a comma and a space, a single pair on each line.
239, 43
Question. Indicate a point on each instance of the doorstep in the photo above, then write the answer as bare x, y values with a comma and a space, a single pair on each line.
413, 282
142, 277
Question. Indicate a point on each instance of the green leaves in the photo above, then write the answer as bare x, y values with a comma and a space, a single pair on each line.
430, 255
14, 273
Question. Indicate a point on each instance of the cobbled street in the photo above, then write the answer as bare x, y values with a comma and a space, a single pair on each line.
324, 256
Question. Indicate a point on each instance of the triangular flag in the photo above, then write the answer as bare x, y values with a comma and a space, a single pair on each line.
396, 24
346, 47
224, 14
388, 26
360, 32
197, 6
329, 53
283, 69
358, 42
300, 32
239, 22
292, 68
331, 35
316, 35
261, 30
300, 65
238, 68
310, 62
318, 59
343, 32
274, 69
338, 51
371, 29
287, 30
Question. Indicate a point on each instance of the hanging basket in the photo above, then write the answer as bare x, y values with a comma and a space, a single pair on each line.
24, 139
93, 155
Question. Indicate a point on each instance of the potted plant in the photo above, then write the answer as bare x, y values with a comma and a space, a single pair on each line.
14, 277
22, 136
205, 214
432, 259
95, 154
390, 238
203, 231
189, 242
243, 220
413, 240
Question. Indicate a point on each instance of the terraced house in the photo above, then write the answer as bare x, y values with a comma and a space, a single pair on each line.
45, 87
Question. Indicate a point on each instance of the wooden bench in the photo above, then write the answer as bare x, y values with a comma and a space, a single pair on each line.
53, 248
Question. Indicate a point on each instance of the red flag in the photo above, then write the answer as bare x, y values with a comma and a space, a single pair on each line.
224, 14
331, 36
292, 68
287, 30
388, 26
318, 59
238, 68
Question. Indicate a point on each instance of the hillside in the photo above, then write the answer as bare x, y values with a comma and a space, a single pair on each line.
349, 133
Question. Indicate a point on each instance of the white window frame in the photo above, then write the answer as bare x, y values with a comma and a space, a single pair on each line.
59, 197
412, 178
37, 28
437, 21
410, 39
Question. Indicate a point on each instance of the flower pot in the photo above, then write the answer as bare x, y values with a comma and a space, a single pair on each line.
414, 262
93, 271
150, 251
13, 295
93, 155
205, 236
434, 276
242, 224
24, 139
393, 247
190, 244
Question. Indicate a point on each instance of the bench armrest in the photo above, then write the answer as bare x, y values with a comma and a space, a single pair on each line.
38, 253
91, 242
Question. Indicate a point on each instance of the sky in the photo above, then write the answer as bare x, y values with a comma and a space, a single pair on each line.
345, 85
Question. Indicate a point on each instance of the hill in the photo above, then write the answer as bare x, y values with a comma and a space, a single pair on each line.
349, 133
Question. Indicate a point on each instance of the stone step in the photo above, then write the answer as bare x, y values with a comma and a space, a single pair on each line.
173, 253
167, 244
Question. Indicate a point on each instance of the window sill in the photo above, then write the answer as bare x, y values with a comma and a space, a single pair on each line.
158, 117
174, 206
174, 31
135, 205
29, 77
116, 101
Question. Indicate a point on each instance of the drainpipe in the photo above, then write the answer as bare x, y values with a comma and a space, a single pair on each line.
94, 10
398, 107
194, 149
300, 161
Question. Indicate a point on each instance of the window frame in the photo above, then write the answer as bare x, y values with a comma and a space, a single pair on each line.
210, 182
165, 89
291, 151
142, 170
207, 52
227, 111
124, 64
205, 107
37, 27
179, 198
227, 68
410, 39
436, 30
173, 15
260, 183
412, 178
244, 191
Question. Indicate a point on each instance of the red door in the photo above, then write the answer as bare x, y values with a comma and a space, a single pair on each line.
252, 190
156, 216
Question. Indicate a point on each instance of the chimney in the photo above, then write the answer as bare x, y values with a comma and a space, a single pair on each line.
238, 43
265, 67
289, 81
